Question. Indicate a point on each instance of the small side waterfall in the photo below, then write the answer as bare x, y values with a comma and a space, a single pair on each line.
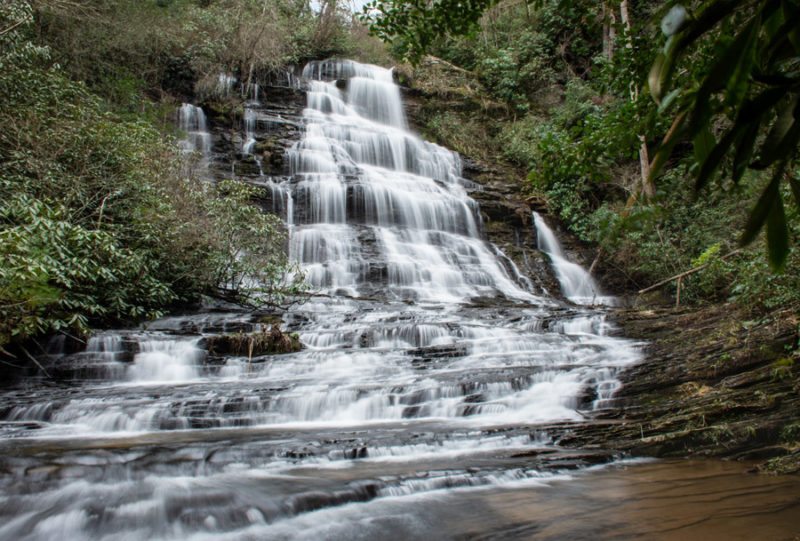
192, 121
577, 285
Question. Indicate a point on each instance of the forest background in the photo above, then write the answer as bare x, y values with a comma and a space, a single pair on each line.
102, 223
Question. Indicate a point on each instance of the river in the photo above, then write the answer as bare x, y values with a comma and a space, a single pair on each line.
418, 408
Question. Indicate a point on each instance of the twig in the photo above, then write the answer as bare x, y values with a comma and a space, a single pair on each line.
10, 364
25, 351
102, 207
13, 26
250, 352
596, 260
686, 273
65, 333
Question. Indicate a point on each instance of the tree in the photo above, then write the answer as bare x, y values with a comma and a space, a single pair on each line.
749, 92
412, 26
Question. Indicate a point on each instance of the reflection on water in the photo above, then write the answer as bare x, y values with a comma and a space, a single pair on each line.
709, 500
675, 500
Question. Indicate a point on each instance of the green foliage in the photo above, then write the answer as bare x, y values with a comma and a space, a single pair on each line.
251, 260
462, 133
782, 368
97, 224
751, 88
582, 155
59, 275
412, 26
130, 50
582, 151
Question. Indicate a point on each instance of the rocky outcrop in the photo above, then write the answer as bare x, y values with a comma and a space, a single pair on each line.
715, 384
255, 344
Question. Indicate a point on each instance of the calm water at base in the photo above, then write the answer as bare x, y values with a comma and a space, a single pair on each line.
654, 500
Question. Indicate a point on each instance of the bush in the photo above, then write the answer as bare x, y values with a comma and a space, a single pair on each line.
97, 224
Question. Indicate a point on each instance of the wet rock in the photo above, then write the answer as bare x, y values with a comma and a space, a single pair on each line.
264, 342
438, 352
711, 386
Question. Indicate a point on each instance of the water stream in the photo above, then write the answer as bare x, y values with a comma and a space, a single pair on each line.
431, 367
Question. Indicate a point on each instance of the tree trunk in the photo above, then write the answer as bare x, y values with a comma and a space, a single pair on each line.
611, 29
626, 20
648, 190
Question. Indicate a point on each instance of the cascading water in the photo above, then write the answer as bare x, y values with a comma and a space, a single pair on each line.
192, 121
576, 284
429, 365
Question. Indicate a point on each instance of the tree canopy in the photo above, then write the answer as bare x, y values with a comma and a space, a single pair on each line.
740, 110
743, 110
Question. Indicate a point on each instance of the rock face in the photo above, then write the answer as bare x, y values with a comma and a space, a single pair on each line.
714, 384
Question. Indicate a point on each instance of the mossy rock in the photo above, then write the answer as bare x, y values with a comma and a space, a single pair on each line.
223, 113
264, 342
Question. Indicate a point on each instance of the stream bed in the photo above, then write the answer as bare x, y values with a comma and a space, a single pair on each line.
418, 408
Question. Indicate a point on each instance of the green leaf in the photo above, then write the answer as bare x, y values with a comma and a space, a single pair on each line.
744, 152
703, 143
669, 99
675, 134
779, 138
657, 77
714, 157
795, 184
777, 234
720, 73
738, 81
762, 209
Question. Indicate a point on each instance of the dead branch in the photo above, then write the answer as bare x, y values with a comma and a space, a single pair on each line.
686, 273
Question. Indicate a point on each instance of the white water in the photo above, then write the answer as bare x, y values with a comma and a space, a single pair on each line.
166, 361
428, 362
368, 186
576, 284
192, 121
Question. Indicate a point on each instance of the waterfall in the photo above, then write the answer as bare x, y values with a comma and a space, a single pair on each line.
192, 121
577, 285
429, 363
166, 360
383, 212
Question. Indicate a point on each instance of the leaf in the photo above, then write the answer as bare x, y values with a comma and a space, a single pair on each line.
714, 157
742, 134
721, 72
737, 85
777, 234
657, 77
744, 152
795, 184
762, 209
675, 134
669, 99
783, 137
703, 143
